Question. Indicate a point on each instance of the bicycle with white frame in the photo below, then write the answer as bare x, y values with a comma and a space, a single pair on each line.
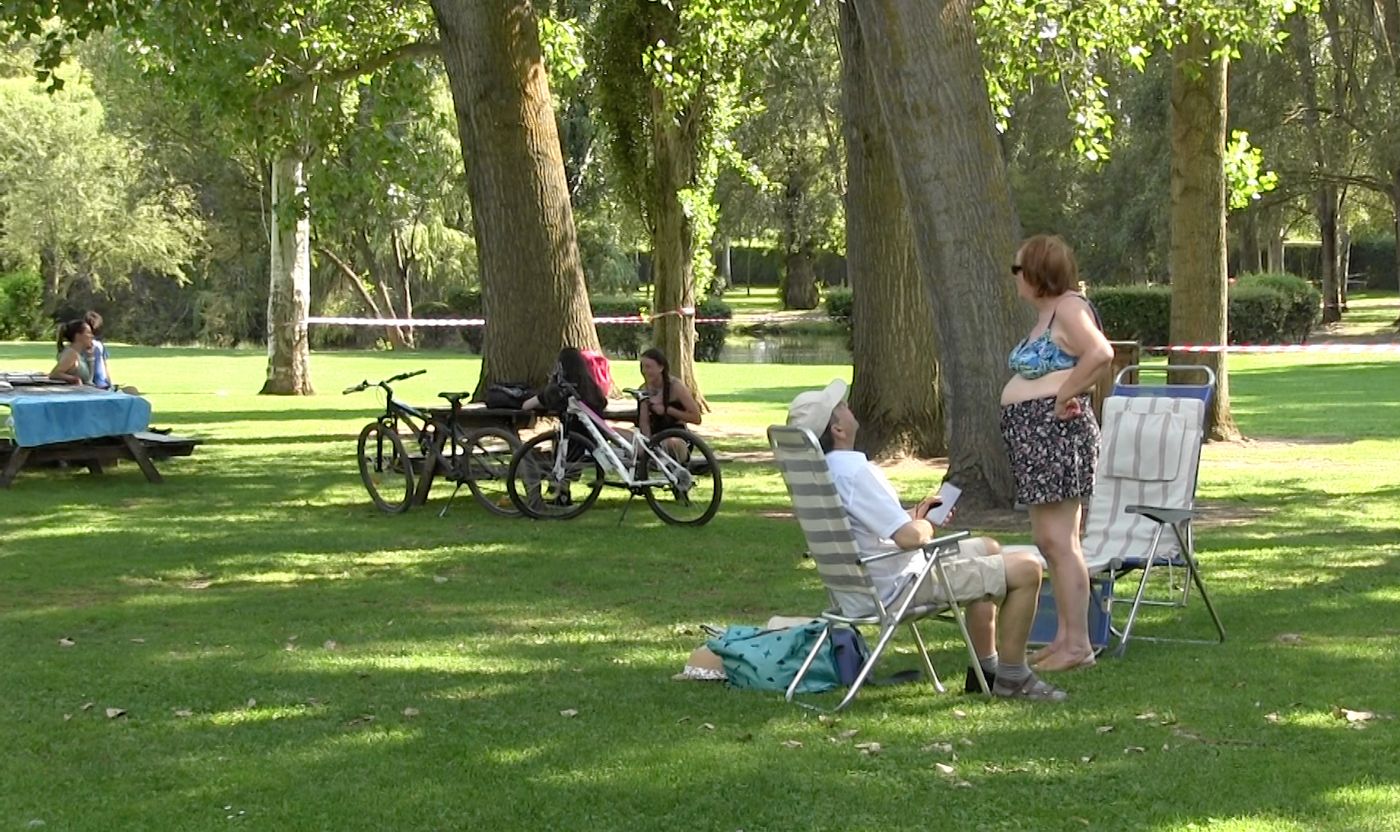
559, 474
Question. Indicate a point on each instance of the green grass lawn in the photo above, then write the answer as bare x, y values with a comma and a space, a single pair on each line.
289, 658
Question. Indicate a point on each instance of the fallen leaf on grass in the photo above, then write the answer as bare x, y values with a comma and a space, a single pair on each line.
792, 743
1288, 638
1146, 715
828, 719
707, 726
1134, 749
362, 719
87, 706
137, 640
439, 579
682, 719
1088, 759
965, 741
1272, 716
869, 748
940, 747
944, 769
848, 733
1103, 729
66, 642
199, 582
67, 717
184, 712
251, 703
113, 713
569, 712
959, 713
331, 644
410, 712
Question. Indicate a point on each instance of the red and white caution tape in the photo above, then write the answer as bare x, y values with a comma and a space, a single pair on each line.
462, 322
1276, 348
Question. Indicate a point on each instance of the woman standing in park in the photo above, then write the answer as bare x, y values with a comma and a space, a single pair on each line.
1051, 434
73, 365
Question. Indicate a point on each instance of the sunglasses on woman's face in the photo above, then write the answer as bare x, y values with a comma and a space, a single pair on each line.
1015, 268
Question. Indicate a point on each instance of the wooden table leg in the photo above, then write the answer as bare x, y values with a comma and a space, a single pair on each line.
138, 453
12, 467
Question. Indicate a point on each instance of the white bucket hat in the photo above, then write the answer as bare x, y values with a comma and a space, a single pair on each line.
812, 410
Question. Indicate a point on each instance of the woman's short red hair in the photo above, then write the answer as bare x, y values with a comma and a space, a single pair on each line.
1047, 265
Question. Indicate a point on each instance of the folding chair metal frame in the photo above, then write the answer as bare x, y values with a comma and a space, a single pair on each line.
1176, 518
843, 569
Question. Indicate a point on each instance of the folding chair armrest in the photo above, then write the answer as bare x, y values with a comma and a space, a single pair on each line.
939, 545
930, 548
1162, 514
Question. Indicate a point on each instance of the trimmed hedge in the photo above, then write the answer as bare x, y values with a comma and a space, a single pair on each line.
1135, 313
1304, 302
1264, 309
1257, 315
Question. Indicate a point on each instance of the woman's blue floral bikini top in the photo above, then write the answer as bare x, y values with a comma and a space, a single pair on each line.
1039, 356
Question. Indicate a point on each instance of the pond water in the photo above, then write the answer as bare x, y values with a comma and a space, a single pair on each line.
785, 349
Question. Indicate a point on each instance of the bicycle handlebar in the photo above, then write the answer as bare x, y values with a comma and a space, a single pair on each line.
365, 385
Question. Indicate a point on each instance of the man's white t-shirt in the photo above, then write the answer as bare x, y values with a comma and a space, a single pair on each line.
873, 508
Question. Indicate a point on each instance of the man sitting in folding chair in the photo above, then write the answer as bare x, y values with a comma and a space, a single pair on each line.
980, 574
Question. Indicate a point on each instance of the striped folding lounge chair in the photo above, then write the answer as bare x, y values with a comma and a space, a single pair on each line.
1139, 519
845, 571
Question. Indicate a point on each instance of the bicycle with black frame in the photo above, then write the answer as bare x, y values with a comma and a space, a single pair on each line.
405, 446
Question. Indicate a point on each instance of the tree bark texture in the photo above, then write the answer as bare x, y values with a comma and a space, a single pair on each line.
289, 286
533, 292
674, 154
799, 280
895, 394
927, 68
1198, 206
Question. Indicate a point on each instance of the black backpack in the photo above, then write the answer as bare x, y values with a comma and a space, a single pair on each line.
507, 395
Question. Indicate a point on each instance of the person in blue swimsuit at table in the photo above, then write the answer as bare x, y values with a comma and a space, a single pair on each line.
1051, 434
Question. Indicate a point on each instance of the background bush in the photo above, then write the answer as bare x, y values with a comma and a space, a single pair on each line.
1257, 315
840, 303
22, 307
466, 303
1135, 313
1304, 302
709, 338
620, 340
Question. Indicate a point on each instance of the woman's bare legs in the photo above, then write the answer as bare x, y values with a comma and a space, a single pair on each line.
1055, 527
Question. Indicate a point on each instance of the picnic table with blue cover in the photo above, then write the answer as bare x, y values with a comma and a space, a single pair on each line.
41, 422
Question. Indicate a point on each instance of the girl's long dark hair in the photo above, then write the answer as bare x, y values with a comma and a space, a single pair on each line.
660, 358
575, 371
67, 332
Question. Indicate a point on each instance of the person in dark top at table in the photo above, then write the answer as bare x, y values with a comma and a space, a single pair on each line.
74, 366
669, 403
572, 369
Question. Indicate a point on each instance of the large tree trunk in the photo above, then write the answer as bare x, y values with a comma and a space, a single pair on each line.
289, 290
1326, 207
674, 149
799, 281
51, 278
1251, 260
927, 69
1198, 205
533, 292
894, 352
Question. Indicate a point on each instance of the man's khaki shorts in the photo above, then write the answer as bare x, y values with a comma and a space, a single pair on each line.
973, 575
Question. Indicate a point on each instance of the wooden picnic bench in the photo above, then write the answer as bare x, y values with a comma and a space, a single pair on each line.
142, 447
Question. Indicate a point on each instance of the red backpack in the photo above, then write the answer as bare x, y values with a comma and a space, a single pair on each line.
599, 368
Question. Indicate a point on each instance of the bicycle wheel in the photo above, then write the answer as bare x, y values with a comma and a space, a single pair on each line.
487, 455
386, 468
551, 479
689, 466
